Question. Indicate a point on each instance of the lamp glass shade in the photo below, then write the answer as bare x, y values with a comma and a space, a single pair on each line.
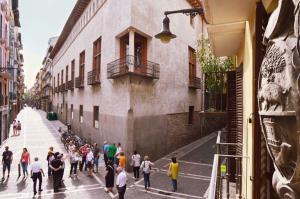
165, 35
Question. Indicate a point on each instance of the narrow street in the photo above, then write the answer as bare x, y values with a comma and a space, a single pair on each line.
38, 134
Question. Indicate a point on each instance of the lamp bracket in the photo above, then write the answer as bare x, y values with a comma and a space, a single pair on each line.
188, 12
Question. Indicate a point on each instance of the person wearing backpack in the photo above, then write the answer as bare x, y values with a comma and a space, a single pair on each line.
146, 169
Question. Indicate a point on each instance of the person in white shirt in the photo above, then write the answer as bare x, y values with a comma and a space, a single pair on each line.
89, 161
135, 163
146, 168
36, 173
121, 182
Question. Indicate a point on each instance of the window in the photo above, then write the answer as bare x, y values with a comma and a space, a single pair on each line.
72, 114
97, 57
81, 113
192, 62
96, 117
57, 107
61, 108
62, 76
58, 79
73, 70
191, 115
1, 25
53, 82
67, 73
81, 65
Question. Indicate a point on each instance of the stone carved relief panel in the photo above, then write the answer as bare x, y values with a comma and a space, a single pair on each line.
279, 97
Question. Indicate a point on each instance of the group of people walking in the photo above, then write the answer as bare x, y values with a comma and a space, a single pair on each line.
87, 159
115, 162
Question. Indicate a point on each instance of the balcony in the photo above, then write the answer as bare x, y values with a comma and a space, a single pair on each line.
63, 87
79, 82
194, 82
130, 65
94, 77
70, 85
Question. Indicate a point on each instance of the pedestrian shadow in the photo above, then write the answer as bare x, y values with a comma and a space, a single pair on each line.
3, 184
21, 185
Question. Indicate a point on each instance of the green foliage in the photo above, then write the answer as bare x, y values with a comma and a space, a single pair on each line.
213, 67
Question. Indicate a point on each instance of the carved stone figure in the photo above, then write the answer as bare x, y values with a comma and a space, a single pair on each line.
279, 97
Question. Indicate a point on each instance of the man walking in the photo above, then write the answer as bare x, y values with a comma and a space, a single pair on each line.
111, 152
7, 158
56, 166
121, 182
105, 150
96, 157
36, 174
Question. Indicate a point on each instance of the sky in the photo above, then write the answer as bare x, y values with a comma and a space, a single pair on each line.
40, 20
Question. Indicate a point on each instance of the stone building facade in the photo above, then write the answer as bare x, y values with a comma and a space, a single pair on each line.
11, 63
112, 80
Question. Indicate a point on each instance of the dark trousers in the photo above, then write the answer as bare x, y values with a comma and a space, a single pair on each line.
56, 181
73, 168
147, 180
136, 172
121, 191
49, 171
35, 177
105, 159
60, 176
83, 162
174, 184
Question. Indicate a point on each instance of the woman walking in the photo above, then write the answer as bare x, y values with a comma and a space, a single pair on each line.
136, 163
74, 158
146, 168
173, 173
25, 161
15, 128
110, 176
50, 157
19, 128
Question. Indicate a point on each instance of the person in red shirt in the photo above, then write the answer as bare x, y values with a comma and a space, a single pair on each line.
84, 151
25, 161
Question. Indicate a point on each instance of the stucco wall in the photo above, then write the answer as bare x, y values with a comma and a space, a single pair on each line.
126, 101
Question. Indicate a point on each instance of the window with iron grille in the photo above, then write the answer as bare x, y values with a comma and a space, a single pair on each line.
81, 113
96, 117
191, 115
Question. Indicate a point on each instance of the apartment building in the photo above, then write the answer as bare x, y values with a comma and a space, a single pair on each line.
11, 77
114, 81
46, 78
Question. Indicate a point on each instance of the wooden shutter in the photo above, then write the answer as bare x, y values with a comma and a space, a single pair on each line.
231, 121
239, 110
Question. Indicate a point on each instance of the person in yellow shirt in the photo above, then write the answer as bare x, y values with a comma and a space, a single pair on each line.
122, 160
173, 173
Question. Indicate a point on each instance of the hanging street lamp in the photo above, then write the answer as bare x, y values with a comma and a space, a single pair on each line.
166, 35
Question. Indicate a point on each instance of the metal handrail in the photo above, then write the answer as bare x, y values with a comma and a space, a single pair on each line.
216, 183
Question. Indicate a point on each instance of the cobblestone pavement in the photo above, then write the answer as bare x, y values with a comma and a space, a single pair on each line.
38, 134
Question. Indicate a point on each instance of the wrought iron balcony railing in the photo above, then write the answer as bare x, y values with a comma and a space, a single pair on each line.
134, 66
79, 82
94, 77
63, 87
70, 84
194, 82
